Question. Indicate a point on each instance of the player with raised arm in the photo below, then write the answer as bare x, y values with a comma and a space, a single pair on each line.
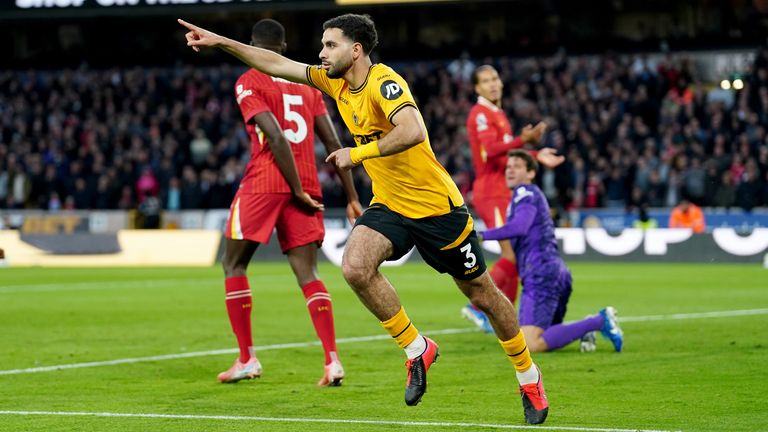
415, 201
490, 138
546, 279
280, 189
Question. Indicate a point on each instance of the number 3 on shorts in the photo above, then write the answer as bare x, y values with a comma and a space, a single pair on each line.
471, 258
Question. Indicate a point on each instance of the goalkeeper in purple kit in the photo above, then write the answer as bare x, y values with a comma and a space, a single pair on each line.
546, 279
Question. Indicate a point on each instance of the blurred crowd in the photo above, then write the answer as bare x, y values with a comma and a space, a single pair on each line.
636, 133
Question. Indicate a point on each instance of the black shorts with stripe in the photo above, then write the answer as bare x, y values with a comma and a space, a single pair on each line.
448, 243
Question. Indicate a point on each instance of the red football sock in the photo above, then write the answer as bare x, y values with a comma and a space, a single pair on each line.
504, 275
321, 311
238, 302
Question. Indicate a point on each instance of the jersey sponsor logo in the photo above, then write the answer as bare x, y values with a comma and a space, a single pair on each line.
482, 122
391, 90
365, 139
472, 270
242, 93
521, 193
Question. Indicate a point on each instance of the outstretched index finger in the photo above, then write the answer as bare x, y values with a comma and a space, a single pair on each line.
187, 25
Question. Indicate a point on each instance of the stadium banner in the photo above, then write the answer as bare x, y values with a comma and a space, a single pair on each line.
26, 9
66, 222
205, 247
663, 245
615, 220
724, 245
147, 248
103, 238
188, 219
115, 4
127, 4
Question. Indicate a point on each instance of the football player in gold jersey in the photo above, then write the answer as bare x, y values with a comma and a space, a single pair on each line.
415, 201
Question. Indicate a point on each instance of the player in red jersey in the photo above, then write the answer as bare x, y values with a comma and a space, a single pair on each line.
280, 190
490, 138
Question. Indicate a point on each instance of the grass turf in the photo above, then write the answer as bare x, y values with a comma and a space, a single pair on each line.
687, 374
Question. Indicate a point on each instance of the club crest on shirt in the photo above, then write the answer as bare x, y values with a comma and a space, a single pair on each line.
482, 122
355, 118
242, 93
521, 193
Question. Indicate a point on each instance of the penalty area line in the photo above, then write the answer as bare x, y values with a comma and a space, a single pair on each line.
316, 420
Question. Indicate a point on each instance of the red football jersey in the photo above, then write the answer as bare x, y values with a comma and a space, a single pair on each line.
490, 138
295, 107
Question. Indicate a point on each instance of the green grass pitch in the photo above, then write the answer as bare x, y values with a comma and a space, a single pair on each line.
692, 373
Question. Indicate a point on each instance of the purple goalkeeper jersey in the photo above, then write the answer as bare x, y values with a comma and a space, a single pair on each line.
531, 231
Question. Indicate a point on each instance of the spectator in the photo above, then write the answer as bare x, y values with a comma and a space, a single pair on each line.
656, 191
172, 198
149, 212
146, 185
80, 196
594, 191
694, 180
461, 69
687, 215
749, 193
191, 193
54, 202
725, 194
644, 222
200, 147
105, 193
19, 190
647, 116
615, 189
4, 180
126, 201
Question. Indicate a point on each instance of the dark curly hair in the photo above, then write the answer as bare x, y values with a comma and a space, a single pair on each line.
530, 162
358, 28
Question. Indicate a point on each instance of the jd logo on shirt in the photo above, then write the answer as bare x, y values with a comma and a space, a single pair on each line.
391, 90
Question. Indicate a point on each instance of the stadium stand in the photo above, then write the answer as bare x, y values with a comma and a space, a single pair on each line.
637, 130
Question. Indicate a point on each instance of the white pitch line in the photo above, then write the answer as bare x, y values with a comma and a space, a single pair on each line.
697, 315
216, 352
318, 420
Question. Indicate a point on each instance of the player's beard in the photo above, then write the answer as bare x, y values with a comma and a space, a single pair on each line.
338, 70
497, 100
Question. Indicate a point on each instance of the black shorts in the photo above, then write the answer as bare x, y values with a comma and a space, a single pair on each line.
448, 243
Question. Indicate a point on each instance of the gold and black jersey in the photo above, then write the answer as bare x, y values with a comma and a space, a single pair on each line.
411, 183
